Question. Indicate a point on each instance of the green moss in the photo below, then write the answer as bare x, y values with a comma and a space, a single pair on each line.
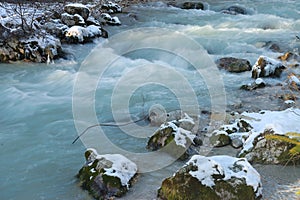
185, 187
114, 183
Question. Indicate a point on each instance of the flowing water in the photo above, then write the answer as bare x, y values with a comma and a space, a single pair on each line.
38, 159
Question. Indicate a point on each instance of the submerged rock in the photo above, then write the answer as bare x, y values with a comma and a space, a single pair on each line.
216, 177
191, 5
265, 67
235, 10
106, 176
234, 64
258, 83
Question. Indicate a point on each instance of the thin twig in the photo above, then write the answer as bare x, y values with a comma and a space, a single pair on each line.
107, 124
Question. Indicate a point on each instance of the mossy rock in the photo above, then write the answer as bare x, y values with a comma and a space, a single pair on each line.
271, 151
101, 185
183, 186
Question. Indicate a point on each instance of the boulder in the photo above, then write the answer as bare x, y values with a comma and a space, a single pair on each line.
110, 20
294, 82
173, 139
77, 8
71, 20
235, 10
234, 64
111, 7
265, 66
270, 148
106, 176
216, 178
78, 34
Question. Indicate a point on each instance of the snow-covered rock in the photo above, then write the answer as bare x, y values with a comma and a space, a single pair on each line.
294, 81
265, 66
220, 139
80, 34
252, 128
110, 20
35, 49
216, 177
77, 8
106, 176
171, 136
71, 20
111, 7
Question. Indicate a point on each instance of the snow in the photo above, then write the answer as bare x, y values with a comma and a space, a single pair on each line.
180, 134
122, 167
259, 81
78, 5
293, 79
81, 32
225, 166
187, 118
271, 65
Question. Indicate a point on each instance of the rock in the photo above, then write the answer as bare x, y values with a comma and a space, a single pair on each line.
71, 20
270, 149
236, 143
234, 64
111, 7
197, 141
76, 8
92, 21
294, 82
78, 34
288, 56
265, 67
56, 29
110, 20
106, 176
217, 177
173, 139
191, 5
219, 139
235, 10
35, 49
258, 83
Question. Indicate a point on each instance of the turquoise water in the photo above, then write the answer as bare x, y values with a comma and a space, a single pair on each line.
38, 159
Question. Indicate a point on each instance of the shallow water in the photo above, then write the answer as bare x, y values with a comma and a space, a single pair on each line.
38, 160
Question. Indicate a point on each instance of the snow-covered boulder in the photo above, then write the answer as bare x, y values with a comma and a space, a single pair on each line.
173, 138
234, 64
106, 176
111, 7
216, 177
77, 8
71, 20
78, 34
110, 20
294, 81
265, 66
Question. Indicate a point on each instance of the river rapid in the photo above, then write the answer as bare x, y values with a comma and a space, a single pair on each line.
38, 159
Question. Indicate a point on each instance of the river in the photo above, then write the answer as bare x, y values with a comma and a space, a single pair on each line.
42, 110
